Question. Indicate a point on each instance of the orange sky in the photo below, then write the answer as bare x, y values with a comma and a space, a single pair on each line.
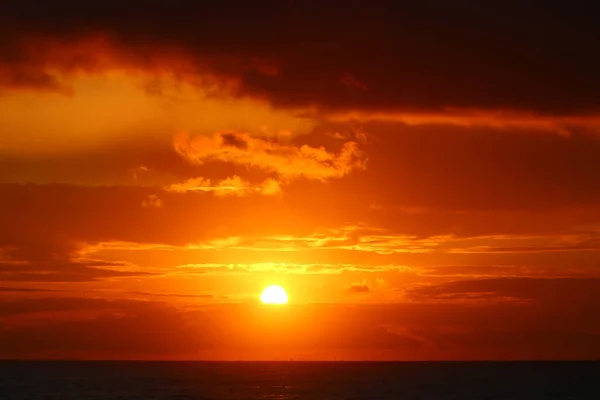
421, 191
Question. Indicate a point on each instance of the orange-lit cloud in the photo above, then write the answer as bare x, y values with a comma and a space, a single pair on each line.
502, 119
230, 186
112, 108
285, 160
47, 63
285, 268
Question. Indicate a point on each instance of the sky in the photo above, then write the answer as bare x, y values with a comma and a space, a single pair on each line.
421, 177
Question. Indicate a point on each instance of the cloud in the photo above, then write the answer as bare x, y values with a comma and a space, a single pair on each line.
111, 329
230, 186
120, 321
58, 304
49, 225
26, 78
359, 288
546, 290
51, 62
269, 54
358, 238
544, 172
61, 219
285, 160
139, 170
506, 271
227, 329
172, 295
4, 289
124, 112
350, 81
152, 201
468, 118
384, 241
66, 270
285, 268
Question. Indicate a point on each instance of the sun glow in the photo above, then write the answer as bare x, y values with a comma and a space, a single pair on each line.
274, 294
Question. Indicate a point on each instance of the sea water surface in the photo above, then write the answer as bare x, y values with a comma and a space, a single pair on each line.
99, 380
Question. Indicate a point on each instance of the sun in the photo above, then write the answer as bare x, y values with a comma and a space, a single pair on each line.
274, 294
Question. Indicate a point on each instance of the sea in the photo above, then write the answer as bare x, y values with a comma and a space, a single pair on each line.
100, 380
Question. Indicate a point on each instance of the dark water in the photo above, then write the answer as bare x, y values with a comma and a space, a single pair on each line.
289, 380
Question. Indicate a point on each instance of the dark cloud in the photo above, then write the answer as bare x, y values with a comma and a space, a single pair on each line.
60, 304
174, 295
410, 331
422, 55
233, 140
562, 291
544, 270
4, 289
480, 168
30, 266
54, 273
115, 327
118, 327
